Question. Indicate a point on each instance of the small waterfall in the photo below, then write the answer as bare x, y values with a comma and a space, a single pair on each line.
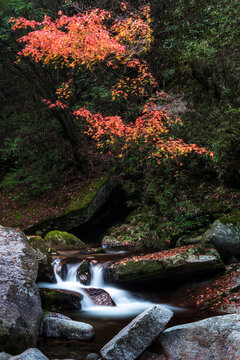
56, 269
72, 272
127, 304
97, 280
70, 284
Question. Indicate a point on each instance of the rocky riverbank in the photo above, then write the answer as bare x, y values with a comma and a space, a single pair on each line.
22, 312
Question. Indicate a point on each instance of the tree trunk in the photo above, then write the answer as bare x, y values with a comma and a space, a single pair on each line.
67, 122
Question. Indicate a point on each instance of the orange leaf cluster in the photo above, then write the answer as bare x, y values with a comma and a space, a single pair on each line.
136, 86
134, 31
78, 40
149, 130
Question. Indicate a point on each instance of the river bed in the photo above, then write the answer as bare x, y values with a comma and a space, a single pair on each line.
106, 320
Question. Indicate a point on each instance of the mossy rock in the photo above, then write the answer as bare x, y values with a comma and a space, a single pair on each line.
80, 208
37, 242
43, 253
50, 299
58, 300
169, 264
63, 240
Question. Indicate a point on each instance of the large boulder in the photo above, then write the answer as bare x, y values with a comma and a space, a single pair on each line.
62, 240
20, 303
80, 209
132, 340
165, 265
213, 338
225, 235
57, 327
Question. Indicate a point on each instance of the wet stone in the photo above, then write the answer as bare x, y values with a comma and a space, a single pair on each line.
132, 340
65, 328
100, 297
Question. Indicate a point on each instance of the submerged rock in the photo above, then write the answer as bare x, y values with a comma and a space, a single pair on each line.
224, 233
213, 338
20, 302
100, 297
83, 273
165, 265
62, 240
132, 340
64, 328
30, 354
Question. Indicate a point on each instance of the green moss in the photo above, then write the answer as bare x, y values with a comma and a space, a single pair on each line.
51, 299
87, 195
62, 239
37, 242
138, 269
232, 219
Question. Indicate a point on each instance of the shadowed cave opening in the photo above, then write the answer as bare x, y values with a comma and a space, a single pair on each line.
113, 212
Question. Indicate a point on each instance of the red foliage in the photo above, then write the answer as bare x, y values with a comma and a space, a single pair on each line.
89, 38
149, 129
78, 40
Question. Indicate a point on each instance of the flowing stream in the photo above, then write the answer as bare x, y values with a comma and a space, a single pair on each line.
127, 305
106, 320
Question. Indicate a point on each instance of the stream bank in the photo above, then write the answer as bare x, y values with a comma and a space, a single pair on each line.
108, 320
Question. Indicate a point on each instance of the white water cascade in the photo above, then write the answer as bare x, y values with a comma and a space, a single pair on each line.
126, 304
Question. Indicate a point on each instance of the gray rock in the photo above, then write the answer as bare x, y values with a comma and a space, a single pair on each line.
30, 354
132, 340
92, 356
68, 329
213, 338
5, 356
20, 302
225, 235
164, 266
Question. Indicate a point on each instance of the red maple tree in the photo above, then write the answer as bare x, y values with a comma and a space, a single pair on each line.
91, 38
